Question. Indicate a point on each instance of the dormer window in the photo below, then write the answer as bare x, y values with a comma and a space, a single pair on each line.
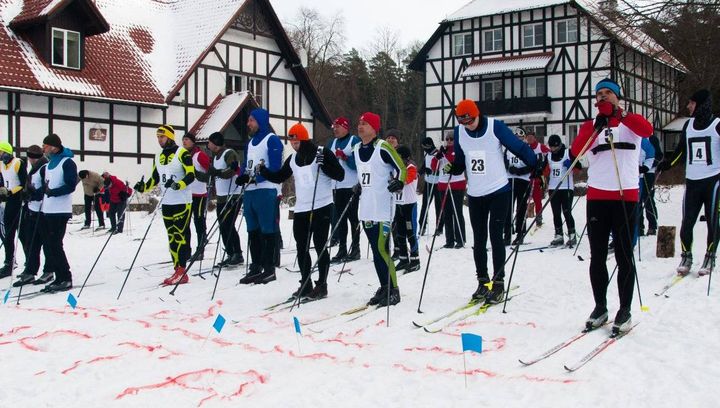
65, 48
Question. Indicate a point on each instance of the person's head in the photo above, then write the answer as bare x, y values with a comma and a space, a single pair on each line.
83, 174
297, 134
105, 175
449, 139
34, 153
698, 98
52, 144
530, 137
520, 134
258, 121
6, 152
368, 126
188, 141
393, 137
216, 142
341, 127
165, 135
609, 91
467, 114
404, 153
554, 142
428, 144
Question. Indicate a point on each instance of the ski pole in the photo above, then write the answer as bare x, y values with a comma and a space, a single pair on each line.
342, 268
217, 278
580, 239
210, 185
456, 219
32, 240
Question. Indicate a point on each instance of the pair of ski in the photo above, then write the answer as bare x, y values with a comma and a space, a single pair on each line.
473, 307
674, 281
599, 348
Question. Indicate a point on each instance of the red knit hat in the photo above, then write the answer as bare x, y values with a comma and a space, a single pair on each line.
466, 111
372, 119
298, 132
342, 121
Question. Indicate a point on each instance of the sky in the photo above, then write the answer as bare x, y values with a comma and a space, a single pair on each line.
415, 20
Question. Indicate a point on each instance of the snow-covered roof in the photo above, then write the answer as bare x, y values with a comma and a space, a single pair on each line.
676, 125
150, 47
508, 64
478, 8
220, 113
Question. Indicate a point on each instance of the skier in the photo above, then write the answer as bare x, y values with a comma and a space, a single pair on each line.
118, 193
14, 175
613, 156
406, 216
201, 161
260, 200
647, 158
61, 178
173, 171
29, 233
224, 169
562, 193
92, 184
453, 216
479, 154
519, 175
699, 148
430, 192
392, 136
313, 205
342, 146
647, 193
377, 162
538, 183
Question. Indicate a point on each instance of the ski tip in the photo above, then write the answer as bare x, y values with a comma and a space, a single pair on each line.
568, 369
417, 325
523, 363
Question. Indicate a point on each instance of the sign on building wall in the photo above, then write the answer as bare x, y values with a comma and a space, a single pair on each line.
97, 132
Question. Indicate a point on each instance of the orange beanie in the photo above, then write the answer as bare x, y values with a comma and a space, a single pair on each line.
298, 132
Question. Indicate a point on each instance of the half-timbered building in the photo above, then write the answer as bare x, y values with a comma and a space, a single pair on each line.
104, 74
534, 64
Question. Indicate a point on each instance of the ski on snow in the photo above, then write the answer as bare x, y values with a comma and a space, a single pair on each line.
563, 344
598, 349
458, 309
674, 281
481, 309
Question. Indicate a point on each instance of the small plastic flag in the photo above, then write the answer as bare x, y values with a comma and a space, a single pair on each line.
219, 323
471, 342
7, 295
71, 300
297, 325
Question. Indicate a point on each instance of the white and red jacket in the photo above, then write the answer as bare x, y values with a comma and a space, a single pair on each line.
456, 182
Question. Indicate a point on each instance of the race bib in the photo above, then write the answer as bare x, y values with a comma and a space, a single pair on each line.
477, 162
699, 152
365, 176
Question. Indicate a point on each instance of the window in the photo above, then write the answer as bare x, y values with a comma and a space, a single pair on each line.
572, 132
533, 35
257, 87
493, 40
539, 130
629, 90
236, 83
493, 90
535, 86
65, 48
463, 44
566, 31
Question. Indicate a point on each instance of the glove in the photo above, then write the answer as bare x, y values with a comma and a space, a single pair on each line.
567, 163
340, 154
319, 157
643, 169
169, 184
357, 190
600, 122
512, 170
258, 167
212, 172
440, 153
447, 168
664, 165
4, 192
175, 186
124, 195
538, 170
96, 190
242, 180
139, 187
51, 192
605, 108
395, 185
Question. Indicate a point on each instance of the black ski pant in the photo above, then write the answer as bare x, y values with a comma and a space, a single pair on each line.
342, 197
117, 215
11, 221
436, 199
454, 227
31, 241
520, 194
405, 221
228, 216
647, 197
607, 217
378, 234
52, 232
487, 216
199, 213
177, 223
319, 227
90, 201
561, 205
698, 194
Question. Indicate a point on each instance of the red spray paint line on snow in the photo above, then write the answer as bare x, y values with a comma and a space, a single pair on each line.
94, 360
25, 341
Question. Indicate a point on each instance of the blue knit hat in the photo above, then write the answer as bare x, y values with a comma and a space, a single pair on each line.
608, 83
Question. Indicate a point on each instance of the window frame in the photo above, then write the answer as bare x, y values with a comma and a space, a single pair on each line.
493, 31
534, 36
526, 93
465, 44
492, 82
65, 42
260, 97
566, 31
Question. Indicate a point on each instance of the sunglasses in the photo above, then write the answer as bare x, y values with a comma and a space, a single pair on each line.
465, 119
450, 139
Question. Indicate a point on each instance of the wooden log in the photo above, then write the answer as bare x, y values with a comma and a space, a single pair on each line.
666, 242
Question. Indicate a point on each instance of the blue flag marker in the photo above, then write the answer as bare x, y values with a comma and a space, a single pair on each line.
71, 300
219, 323
7, 295
471, 342
297, 325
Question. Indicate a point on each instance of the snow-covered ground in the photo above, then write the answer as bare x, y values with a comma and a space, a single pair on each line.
153, 349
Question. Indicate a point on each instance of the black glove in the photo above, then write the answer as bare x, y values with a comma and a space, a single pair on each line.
357, 190
441, 152
51, 192
139, 187
664, 165
175, 186
538, 170
395, 185
601, 122
123, 195
169, 184
212, 171
319, 157
643, 169
96, 190
242, 180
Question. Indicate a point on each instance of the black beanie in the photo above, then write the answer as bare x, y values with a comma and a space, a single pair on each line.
428, 143
554, 141
190, 136
394, 133
700, 96
53, 140
217, 138
83, 173
34, 152
404, 152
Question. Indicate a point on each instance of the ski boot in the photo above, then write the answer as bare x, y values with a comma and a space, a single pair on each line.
302, 291
685, 263
414, 264
623, 322
6, 270
57, 286
254, 272
235, 260
319, 291
24, 279
46, 277
518, 240
496, 294
394, 298
482, 291
652, 231
340, 256
179, 276
381, 293
354, 254
708, 264
557, 241
572, 239
597, 318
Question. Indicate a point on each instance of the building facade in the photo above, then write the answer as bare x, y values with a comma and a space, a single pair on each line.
535, 65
